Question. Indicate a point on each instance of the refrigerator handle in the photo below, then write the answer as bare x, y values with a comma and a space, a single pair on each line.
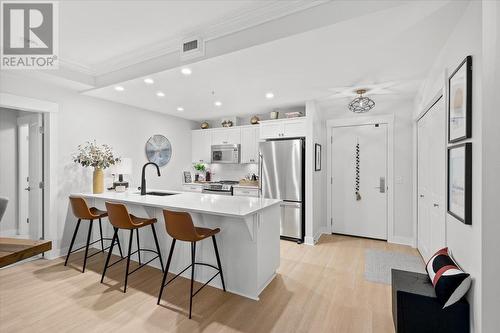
260, 173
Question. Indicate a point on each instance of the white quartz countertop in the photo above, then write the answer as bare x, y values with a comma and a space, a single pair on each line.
214, 204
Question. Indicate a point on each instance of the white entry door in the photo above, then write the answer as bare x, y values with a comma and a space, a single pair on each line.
31, 190
431, 154
359, 160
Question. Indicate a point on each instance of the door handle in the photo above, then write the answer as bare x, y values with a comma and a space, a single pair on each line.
436, 205
381, 188
421, 195
28, 188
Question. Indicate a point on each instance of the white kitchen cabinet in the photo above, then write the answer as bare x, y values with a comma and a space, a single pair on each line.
246, 191
271, 130
294, 128
192, 187
250, 144
283, 128
201, 141
225, 136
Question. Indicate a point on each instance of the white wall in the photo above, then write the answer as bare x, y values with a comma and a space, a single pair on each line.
126, 129
8, 170
320, 220
232, 171
490, 265
402, 109
315, 200
464, 240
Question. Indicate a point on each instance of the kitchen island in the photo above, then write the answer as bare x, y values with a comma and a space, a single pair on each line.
248, 242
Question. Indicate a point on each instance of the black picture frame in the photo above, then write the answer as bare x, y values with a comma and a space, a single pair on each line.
187, 177
461, 197
317, 157
467, 128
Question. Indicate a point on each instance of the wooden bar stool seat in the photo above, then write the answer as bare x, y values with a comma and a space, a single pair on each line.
121, 219
82, 212
180, 226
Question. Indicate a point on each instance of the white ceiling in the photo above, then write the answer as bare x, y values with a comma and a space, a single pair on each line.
117, 27
390, 49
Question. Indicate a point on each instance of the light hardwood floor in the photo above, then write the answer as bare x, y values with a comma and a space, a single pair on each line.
317, 289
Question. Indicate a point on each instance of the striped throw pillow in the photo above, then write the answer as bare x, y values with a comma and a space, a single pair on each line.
450, 282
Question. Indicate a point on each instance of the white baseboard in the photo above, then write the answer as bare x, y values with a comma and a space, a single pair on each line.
308, 240
409, 241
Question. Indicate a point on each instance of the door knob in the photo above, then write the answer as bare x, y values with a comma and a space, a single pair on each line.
28, 188
381, 188
421, 195
436, 205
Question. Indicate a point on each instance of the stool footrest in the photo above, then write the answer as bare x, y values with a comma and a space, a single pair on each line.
92, 243
147, 250
144, 264
203, 286
196, 263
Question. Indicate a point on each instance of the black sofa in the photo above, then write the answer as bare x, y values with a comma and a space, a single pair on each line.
415, 308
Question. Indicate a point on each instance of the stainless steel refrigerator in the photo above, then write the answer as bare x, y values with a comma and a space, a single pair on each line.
282, 177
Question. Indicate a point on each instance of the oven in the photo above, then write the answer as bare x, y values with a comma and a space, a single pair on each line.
220, 192
226, 154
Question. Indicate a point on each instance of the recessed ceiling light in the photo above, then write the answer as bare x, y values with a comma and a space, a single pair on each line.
149, 80
186, 71
269, 95
119, 88
180, 109
218, 103
160, 94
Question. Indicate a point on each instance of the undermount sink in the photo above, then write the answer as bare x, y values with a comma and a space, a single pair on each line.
160, 194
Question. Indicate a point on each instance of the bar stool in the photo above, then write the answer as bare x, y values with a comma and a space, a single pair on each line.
180, 226
120, 219
82, 211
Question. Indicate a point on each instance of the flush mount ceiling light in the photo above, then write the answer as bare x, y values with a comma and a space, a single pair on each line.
269, 95
119, 88
361, 104
149, 80
160, 94
218, 103
180, 109
186, 71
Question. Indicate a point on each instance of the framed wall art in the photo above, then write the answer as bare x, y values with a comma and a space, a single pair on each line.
460, 102
460, 182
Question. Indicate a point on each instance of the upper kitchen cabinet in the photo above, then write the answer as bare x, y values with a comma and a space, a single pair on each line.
201, 141
226, 136
250, 144
283, 128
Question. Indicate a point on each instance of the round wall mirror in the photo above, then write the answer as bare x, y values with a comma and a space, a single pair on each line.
158, 150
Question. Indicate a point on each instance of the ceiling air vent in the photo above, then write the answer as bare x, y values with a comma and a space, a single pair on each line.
192, 48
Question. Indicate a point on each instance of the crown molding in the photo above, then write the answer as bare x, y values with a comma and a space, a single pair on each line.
76, 67
259, 13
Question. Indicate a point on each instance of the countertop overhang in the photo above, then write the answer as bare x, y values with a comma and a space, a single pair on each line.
213, 204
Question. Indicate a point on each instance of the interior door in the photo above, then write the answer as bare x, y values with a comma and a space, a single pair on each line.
431, 155
359, 156
35, 173
23, 179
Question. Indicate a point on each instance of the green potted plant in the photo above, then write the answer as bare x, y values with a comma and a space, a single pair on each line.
199, 167
100, 157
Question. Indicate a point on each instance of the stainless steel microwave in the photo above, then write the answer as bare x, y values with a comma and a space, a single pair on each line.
226, 154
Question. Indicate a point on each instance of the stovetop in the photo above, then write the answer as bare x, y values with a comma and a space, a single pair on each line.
222, 185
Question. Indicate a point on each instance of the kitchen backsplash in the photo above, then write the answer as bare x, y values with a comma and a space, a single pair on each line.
232, 171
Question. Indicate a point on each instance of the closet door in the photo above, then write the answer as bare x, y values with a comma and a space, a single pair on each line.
432, 180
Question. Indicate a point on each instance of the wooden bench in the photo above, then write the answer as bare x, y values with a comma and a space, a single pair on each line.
13, 250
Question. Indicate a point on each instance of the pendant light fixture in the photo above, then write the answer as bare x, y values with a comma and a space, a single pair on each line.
361, 104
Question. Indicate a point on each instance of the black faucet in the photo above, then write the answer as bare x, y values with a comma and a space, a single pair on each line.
143, 176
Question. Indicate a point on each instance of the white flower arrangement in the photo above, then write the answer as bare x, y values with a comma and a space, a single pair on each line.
90, 154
